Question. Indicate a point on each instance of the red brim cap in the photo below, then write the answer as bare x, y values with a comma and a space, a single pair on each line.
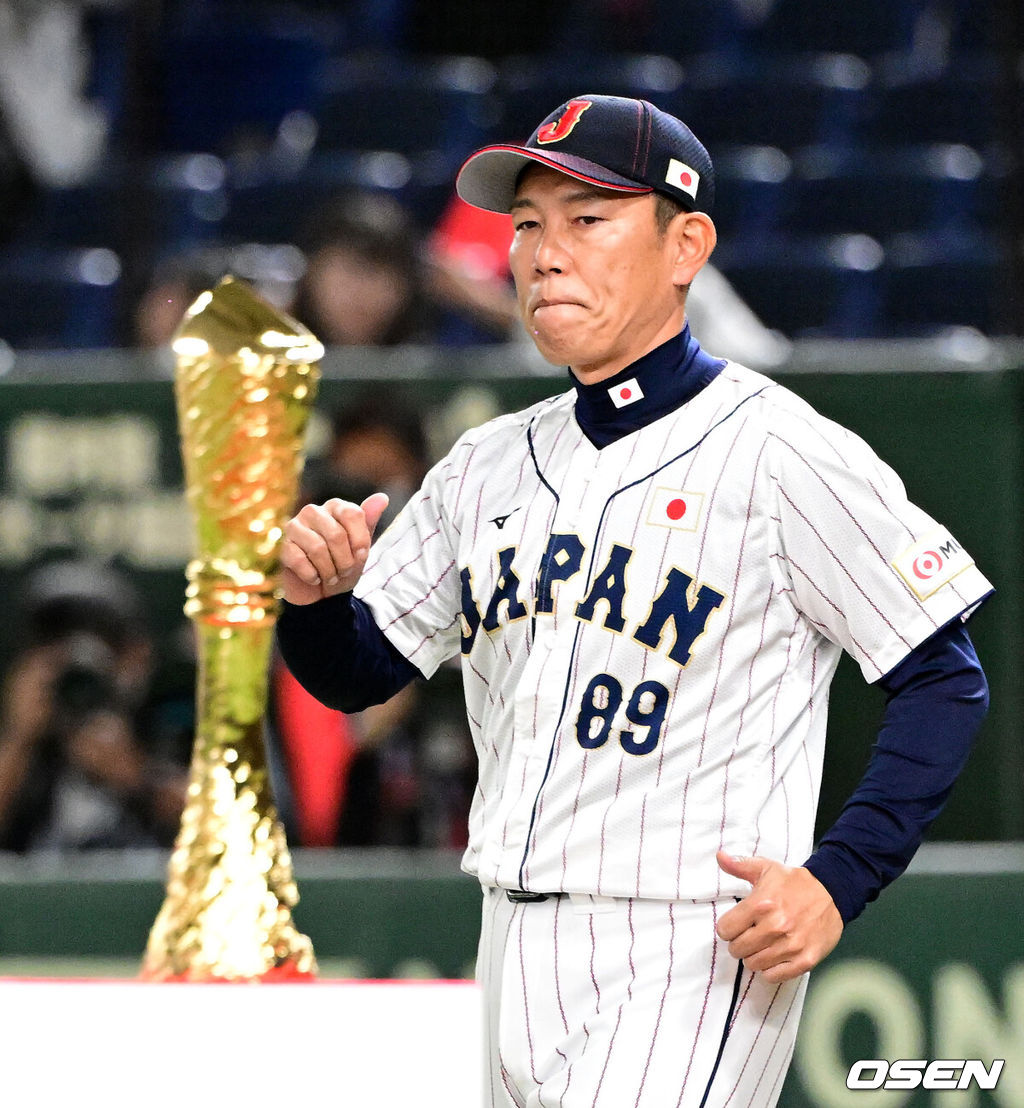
488, 178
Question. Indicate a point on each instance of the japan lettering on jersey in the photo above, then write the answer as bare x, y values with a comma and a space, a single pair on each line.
648, 630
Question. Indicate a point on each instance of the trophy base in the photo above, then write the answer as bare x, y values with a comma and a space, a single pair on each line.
288, 973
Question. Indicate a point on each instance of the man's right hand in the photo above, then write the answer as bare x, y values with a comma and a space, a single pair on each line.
325, 547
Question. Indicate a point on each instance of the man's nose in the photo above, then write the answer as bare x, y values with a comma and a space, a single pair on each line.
552, 254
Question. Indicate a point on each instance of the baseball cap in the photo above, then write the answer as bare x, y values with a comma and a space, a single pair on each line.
612, 141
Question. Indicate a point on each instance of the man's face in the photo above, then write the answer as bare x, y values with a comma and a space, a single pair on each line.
594, 277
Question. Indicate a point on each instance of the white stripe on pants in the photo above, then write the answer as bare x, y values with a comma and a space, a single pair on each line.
625, 1003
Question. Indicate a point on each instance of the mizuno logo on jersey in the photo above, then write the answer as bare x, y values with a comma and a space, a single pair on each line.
500, 521
672, 619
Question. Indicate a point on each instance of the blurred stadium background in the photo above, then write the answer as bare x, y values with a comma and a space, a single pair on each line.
871, 210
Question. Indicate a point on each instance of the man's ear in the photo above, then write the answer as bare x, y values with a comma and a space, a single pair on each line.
694, 236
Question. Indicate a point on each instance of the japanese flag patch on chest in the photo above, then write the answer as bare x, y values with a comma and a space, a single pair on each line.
678, 510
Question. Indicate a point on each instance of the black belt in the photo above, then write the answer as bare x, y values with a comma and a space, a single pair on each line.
521, 896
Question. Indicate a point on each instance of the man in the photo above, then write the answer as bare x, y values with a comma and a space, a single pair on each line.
651, 579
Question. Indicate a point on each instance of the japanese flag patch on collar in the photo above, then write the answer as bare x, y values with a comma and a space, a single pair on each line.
933, 561
625, 393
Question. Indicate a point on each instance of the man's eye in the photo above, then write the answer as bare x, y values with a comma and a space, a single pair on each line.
525, 224
588, 220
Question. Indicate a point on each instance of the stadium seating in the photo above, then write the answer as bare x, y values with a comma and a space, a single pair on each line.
934, 280
810, 286
445, 106
832, 128
59, 298
754, 193
230, 73
273, 204
866, 27
82, 215
886, 190
819, 98
952, 107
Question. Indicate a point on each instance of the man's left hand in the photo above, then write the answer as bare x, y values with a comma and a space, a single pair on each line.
785, 925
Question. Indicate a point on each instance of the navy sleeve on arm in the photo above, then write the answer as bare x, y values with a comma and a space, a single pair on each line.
937, 699
339, 655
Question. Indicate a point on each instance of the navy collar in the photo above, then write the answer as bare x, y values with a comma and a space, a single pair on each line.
665, 379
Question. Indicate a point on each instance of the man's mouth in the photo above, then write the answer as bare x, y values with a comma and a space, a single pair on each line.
556, 303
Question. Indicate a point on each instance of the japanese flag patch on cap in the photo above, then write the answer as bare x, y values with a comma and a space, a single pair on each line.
682, 176
626, 393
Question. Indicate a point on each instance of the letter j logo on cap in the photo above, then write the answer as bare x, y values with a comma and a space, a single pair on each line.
683, 177
557, 130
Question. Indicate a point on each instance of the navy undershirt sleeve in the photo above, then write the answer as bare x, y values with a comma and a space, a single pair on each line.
937, 699
339, 655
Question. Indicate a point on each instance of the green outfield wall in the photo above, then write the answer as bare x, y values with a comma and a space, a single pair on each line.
90, 465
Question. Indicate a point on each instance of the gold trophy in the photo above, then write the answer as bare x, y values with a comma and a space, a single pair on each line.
245, 382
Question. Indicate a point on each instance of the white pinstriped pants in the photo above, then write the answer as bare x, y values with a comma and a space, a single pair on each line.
594, 1002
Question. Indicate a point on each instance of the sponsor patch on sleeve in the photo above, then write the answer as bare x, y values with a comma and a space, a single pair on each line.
932, 562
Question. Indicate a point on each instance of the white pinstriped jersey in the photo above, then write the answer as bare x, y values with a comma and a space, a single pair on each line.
649, 630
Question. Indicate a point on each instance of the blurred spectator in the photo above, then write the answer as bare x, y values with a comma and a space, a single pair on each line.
364, 283
50, 134
398, 774
468, 252
75, 772
377, 445
361, 277
44, 66
372, 280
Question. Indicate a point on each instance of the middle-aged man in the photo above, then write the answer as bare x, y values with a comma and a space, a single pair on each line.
650, 578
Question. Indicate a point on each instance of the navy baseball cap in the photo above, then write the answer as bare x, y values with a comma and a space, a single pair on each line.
612, 141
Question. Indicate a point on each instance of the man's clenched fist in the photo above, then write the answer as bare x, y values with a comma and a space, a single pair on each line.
326, 545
